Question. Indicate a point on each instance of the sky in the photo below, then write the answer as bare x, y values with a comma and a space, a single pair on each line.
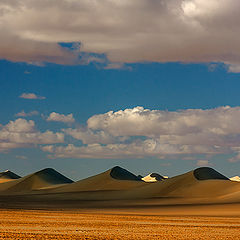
149, 85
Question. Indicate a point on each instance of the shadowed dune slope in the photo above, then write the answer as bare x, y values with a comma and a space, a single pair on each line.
157, 176
188, 185
206, 173
8, 175
122, 174
45, 178
153, 177
119, 184
116, 178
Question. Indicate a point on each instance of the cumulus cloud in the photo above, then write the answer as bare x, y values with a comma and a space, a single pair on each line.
140, 132
88, 136
31, 96
24, 114
57, 117
136, 149
22, 133
202, 163
138, 121
127, 31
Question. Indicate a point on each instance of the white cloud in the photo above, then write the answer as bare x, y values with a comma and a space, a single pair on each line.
202, 163
127, 31
137, 149
22, 133
21, 157
236, 158
135, 133
140, 132
31, 96
61, 117
24, 114
161, 124
87, 136
20, 125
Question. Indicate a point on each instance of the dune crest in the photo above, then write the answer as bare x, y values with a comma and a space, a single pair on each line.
8, 175
114, 179
236, 179
44, 178
207, 173
123, 174
153, 177
202, 185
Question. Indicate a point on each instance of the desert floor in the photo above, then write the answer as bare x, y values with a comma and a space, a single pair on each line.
179, 222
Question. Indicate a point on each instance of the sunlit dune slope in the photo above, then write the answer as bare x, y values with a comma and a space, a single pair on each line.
42, 179
202, 182
8, 176
153, 177
120, 184
116, 178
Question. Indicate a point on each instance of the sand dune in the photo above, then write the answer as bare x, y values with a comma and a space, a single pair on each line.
7, 176
42, 179
202, 185
113, 179
153, 177
236, 179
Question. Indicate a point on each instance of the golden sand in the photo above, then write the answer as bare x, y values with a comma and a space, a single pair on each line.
114, 224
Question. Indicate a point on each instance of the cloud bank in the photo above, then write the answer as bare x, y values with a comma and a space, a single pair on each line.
22, 133
126, 31
26, 114
139, 133
31, 96
57, 117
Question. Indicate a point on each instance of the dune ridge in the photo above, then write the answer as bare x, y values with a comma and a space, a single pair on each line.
236, 179
8, 175
153, 177
47, 177
202, 185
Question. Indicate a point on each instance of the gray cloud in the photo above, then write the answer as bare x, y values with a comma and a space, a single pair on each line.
22, 133
31, 96
139, 132
26, 114
57, 117
127, 31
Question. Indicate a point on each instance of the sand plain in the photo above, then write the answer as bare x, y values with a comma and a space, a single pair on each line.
142, 223
115, 204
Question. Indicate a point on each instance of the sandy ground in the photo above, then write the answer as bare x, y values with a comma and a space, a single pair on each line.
197, 222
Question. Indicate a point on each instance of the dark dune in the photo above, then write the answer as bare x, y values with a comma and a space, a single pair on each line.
123, 174
117, 184
114, 179
45, 178
157, 176
52, 176
207, 173
9, 175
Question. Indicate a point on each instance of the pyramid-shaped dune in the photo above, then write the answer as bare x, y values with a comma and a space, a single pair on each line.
42, 179
114, 179
122, 174
153, 177
200, 183
8, 175
235, 178
206, 173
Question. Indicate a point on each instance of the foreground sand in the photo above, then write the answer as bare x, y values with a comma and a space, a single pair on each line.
179, 222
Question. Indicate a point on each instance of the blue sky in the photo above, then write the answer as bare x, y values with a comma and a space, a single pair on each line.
149, 104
